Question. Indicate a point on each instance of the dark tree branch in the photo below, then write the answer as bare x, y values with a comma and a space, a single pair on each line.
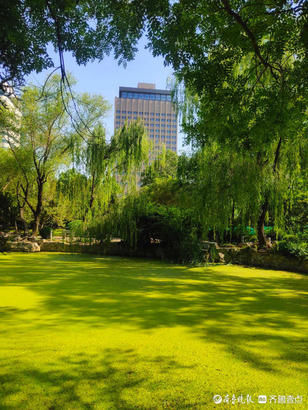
251, 36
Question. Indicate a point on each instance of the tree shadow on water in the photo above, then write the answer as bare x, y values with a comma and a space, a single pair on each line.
235, 311
109, 380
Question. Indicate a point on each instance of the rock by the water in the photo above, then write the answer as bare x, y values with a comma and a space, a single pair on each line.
24, 246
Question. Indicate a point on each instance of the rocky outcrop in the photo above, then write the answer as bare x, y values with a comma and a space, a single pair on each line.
23, 246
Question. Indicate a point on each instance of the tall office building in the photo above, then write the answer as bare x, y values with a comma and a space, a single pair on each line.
154, 108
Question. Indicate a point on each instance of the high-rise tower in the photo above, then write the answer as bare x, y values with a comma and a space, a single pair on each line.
154, 108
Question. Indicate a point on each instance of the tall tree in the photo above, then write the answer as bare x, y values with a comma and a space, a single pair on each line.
43, 141
47, 138
243, 65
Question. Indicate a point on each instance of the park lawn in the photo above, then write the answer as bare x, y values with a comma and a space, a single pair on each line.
89, 332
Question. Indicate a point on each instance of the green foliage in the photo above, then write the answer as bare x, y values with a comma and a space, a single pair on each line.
49, 140
8, 210
88, 29
143, 224
289, 248
103, 162
76, 228
72, 195
242, 92
3, 244
163, 166
45, 232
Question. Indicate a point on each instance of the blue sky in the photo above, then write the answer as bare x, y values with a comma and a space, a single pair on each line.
107, 76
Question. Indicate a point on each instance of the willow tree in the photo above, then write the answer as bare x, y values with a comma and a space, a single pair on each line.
243, 66
106, 162
71, 195
227, 188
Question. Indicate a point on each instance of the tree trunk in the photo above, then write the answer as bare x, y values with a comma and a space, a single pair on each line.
39, 207
92, 192
91, 197
22, 219
21, 207
36, 225
232, 222
260, 228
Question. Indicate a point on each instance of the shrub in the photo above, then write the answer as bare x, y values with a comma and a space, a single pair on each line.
290, 238
145, 225
45, 232
174, 228
298, 250
3, 244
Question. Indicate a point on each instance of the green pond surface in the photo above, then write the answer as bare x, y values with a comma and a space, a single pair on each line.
89, 332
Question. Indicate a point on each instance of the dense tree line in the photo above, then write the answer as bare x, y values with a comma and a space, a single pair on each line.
240, 87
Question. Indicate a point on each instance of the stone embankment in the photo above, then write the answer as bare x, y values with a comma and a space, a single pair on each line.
245, 255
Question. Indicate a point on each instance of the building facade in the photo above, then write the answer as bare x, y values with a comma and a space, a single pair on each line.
154, 108
8, 102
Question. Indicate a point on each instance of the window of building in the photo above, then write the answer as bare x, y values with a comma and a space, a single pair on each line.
145, 96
